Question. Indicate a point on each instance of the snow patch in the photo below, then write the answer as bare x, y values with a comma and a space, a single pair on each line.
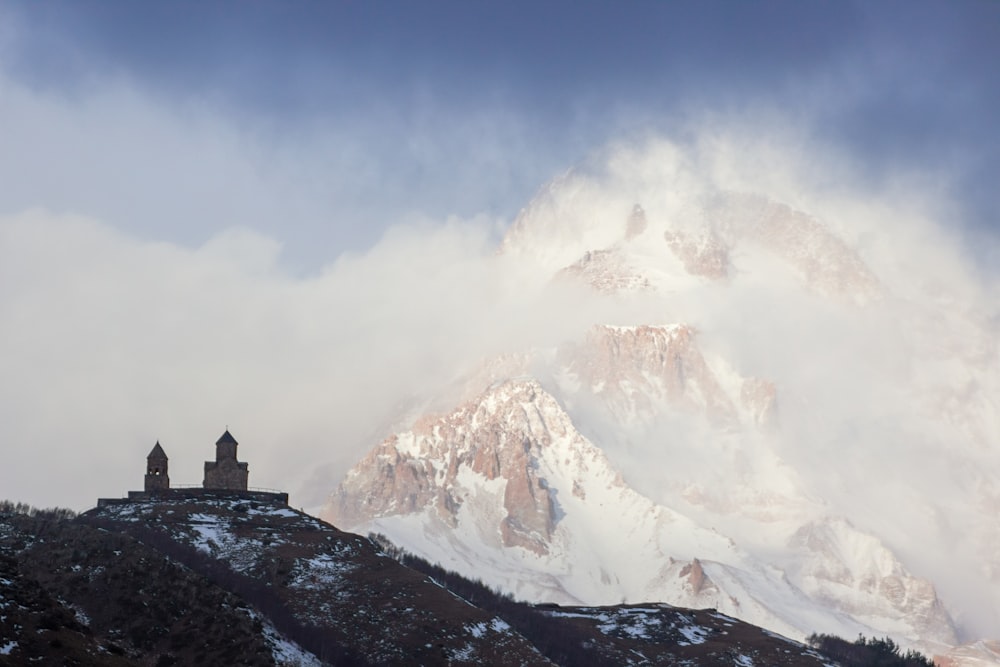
499, 625
210, 533
284, 650
319, 571
694, 634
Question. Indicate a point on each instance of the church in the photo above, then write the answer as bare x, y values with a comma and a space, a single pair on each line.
225, 472
225, 476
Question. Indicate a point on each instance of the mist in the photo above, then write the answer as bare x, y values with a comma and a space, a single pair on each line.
112, 343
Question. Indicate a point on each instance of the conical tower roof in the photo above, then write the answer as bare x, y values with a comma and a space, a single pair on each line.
157, 452
227, 437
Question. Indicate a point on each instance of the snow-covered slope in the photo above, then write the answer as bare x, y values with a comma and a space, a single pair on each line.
505, 489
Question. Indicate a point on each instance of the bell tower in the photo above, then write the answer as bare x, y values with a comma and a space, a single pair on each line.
156, 470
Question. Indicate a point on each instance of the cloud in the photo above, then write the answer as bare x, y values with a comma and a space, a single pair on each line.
112, 342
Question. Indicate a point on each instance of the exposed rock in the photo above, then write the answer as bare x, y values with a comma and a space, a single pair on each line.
641, 369
497, 436
704, 255
696, 579
606, 271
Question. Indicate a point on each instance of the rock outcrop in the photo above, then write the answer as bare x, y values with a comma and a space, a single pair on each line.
498, 437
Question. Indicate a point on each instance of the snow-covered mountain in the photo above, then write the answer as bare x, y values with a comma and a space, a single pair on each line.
796, 424
505, 488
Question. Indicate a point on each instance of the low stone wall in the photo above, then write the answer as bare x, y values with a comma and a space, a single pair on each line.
195, 493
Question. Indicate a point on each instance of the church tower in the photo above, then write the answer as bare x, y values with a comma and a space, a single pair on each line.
225, 472
156, 470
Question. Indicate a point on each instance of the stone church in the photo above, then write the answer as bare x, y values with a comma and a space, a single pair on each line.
225, 475
225, 472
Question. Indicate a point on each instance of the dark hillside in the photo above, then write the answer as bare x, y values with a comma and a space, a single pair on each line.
97, 598
333, 592
231, 581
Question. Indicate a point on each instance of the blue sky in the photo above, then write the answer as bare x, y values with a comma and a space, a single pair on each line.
322, 124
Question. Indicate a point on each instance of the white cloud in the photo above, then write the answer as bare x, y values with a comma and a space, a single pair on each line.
111, 342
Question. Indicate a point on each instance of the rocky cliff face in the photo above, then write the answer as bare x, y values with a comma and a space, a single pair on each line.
498, 438
637, 369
